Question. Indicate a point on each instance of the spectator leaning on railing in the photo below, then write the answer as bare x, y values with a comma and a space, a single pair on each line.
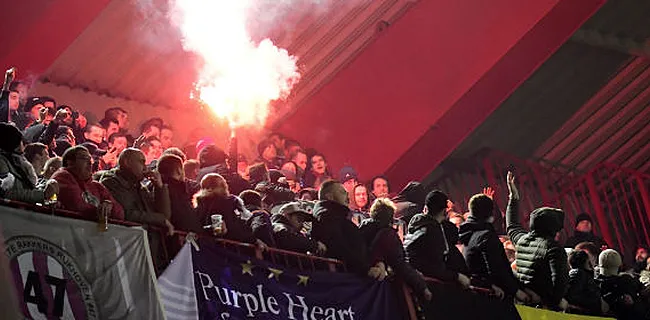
79, 192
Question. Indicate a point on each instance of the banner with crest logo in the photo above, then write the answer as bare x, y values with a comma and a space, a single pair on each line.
66, 269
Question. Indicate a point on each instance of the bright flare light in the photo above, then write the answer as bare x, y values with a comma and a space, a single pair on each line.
238, 78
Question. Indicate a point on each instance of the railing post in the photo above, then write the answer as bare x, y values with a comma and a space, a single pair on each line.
598, 207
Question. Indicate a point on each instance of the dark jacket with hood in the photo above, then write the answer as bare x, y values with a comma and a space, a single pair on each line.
231, 209
341, 236
384, 244
613, 289
541, 262
288, 238
427, 248
485, 256
409, 201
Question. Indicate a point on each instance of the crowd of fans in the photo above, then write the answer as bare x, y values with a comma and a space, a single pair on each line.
289, 199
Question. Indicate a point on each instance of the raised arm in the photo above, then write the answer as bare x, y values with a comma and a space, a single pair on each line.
513, 226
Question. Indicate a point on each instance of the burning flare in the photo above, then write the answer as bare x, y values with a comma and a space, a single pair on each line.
238, 78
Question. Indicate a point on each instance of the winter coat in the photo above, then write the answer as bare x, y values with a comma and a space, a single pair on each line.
427, 248
184, 216
261, 226
384, 244
288, 238
18, 179
541, 262
341, 236
236, 184
579, 237
140, 205
84, 196
583, 292
485, 255
613, 290
231, 208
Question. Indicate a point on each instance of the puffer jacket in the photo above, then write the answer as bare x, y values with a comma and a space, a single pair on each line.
427, 249
485, 255
541, 262
384, 245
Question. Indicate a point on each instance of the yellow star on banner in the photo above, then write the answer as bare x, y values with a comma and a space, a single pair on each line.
275, 273
303, 280
247, 268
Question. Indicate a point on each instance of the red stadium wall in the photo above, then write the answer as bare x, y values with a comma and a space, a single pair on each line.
374, 114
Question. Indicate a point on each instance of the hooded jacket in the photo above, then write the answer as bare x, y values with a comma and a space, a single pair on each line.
541, 262
427, 249
288, 238
384, 244
485, 255
410, 201
341, 236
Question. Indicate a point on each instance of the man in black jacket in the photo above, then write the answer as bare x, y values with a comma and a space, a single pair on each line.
541, 261
287, 224
426, 245
483, 251
340, 235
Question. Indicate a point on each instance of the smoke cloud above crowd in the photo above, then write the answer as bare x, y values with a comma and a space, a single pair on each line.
238, 77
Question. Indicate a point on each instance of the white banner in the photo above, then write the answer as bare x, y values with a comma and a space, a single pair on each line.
66, 269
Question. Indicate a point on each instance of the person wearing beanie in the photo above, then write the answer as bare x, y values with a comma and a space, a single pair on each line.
541, 261
483, 251
622, 292
17, 175
584, 233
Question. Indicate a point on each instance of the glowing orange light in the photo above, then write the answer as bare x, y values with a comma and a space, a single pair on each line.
238, 78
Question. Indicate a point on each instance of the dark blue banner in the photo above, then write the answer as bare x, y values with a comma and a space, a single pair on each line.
231, 286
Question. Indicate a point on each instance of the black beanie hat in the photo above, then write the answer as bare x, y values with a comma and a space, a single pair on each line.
436, 200
11, 137
583, 217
